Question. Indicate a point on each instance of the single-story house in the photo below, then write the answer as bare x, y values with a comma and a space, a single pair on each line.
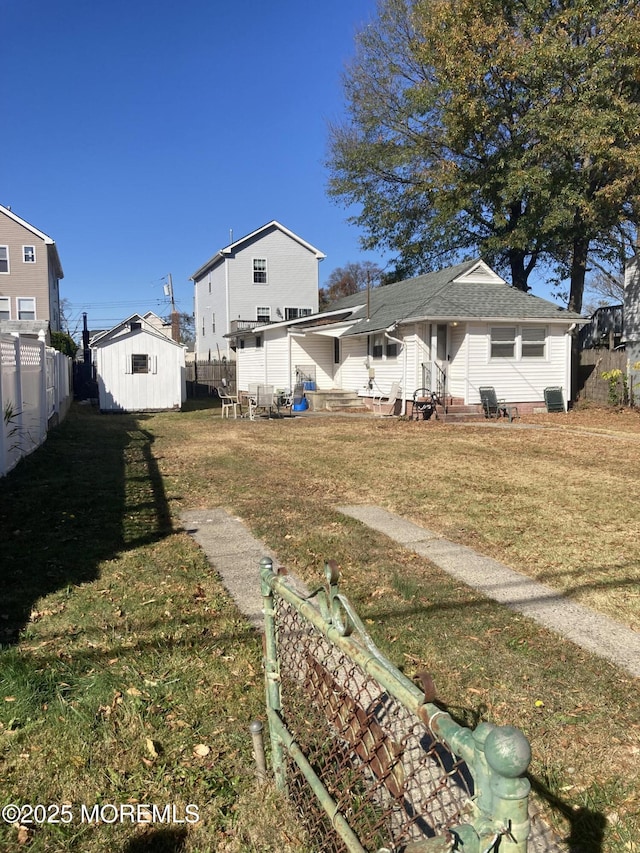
139, 368
452, 331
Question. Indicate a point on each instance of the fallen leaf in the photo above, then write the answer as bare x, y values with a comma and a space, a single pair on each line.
133, 691
151, 747
201, 750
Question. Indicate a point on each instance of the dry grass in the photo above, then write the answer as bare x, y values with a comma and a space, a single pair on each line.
557, 502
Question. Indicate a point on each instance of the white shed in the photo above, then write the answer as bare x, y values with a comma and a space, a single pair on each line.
139, 368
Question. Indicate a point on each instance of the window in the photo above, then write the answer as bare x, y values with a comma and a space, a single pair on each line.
294, 313
213, 323
5, 308
377, 345
204, 331
29, 254
258, 341
259, 270
4, 259
26, 308
139, 363
263, 314
336, 350
381, 347
503, 342
533, 341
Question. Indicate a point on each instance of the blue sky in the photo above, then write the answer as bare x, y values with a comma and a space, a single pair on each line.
140, 135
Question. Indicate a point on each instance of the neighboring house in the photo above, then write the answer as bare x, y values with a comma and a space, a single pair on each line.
452, 331
138, 367
267, 276
30, 272
604, 329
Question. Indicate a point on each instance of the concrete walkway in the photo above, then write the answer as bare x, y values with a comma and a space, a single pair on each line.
585, 627
236, 554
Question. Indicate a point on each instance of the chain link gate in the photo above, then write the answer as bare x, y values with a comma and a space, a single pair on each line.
369, 761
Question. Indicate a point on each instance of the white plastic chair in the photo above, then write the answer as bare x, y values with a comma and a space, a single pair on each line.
386, 400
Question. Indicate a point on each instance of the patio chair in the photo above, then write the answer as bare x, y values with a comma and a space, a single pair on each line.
554, 399
386, 400
265, 399
494, 408
228, 401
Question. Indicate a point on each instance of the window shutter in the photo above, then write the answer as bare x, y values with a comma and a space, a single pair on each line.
154, 363
127, 364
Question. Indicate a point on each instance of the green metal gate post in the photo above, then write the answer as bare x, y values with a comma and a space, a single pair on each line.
272, 672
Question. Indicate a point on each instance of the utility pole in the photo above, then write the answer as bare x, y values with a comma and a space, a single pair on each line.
175, 318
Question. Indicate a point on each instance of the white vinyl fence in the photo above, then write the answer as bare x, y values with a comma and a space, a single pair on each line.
36, 391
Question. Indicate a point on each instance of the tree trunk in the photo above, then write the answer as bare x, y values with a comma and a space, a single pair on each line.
519, 273
578, 272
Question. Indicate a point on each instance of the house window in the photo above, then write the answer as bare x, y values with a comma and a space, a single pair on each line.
336, 350
533, 341
258, 341
295, 313
4, 259
204, 332
391, 349
263, 314
26, 308
213, 323
259, 270
139, 363
377, 345
29, 254
241, 342
503, 342
5, 308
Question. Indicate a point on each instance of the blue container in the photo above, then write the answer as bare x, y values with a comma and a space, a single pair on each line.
302, 406
309, 386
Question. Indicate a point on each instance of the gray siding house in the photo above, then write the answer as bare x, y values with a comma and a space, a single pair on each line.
30, 272
267, 276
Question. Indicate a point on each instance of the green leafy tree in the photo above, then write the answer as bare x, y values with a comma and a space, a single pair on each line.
493, 127
350, 279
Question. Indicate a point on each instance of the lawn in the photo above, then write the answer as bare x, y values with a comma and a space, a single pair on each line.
128, 676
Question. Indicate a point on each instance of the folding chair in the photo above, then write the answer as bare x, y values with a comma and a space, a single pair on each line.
495, 408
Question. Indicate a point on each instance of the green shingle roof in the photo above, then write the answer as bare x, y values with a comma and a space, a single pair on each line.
447, 295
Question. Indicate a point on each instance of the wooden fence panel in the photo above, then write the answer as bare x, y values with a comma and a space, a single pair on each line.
203, 377
594, 362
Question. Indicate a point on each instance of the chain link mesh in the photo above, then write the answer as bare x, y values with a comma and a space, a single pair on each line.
390, 777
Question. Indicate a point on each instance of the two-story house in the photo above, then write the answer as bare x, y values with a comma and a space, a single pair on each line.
267, 276
30, 273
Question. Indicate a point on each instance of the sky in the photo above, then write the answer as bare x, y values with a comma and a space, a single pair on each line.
145, 136
142, 136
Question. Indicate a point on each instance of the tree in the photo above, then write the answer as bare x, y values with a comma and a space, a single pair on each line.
350, 279
187, 328
63, 342
493, 127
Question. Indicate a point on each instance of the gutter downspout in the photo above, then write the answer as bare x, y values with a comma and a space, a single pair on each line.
390, 337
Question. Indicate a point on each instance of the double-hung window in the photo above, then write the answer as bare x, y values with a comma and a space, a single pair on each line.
381, 347
263, 314
259, 270
29, 254
26, 308
5, 308
4, 259
503, 342
533, 341
513, 342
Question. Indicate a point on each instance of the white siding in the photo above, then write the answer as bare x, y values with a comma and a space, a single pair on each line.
250, 365
353, 373
517, 380
121, 390
318, 350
